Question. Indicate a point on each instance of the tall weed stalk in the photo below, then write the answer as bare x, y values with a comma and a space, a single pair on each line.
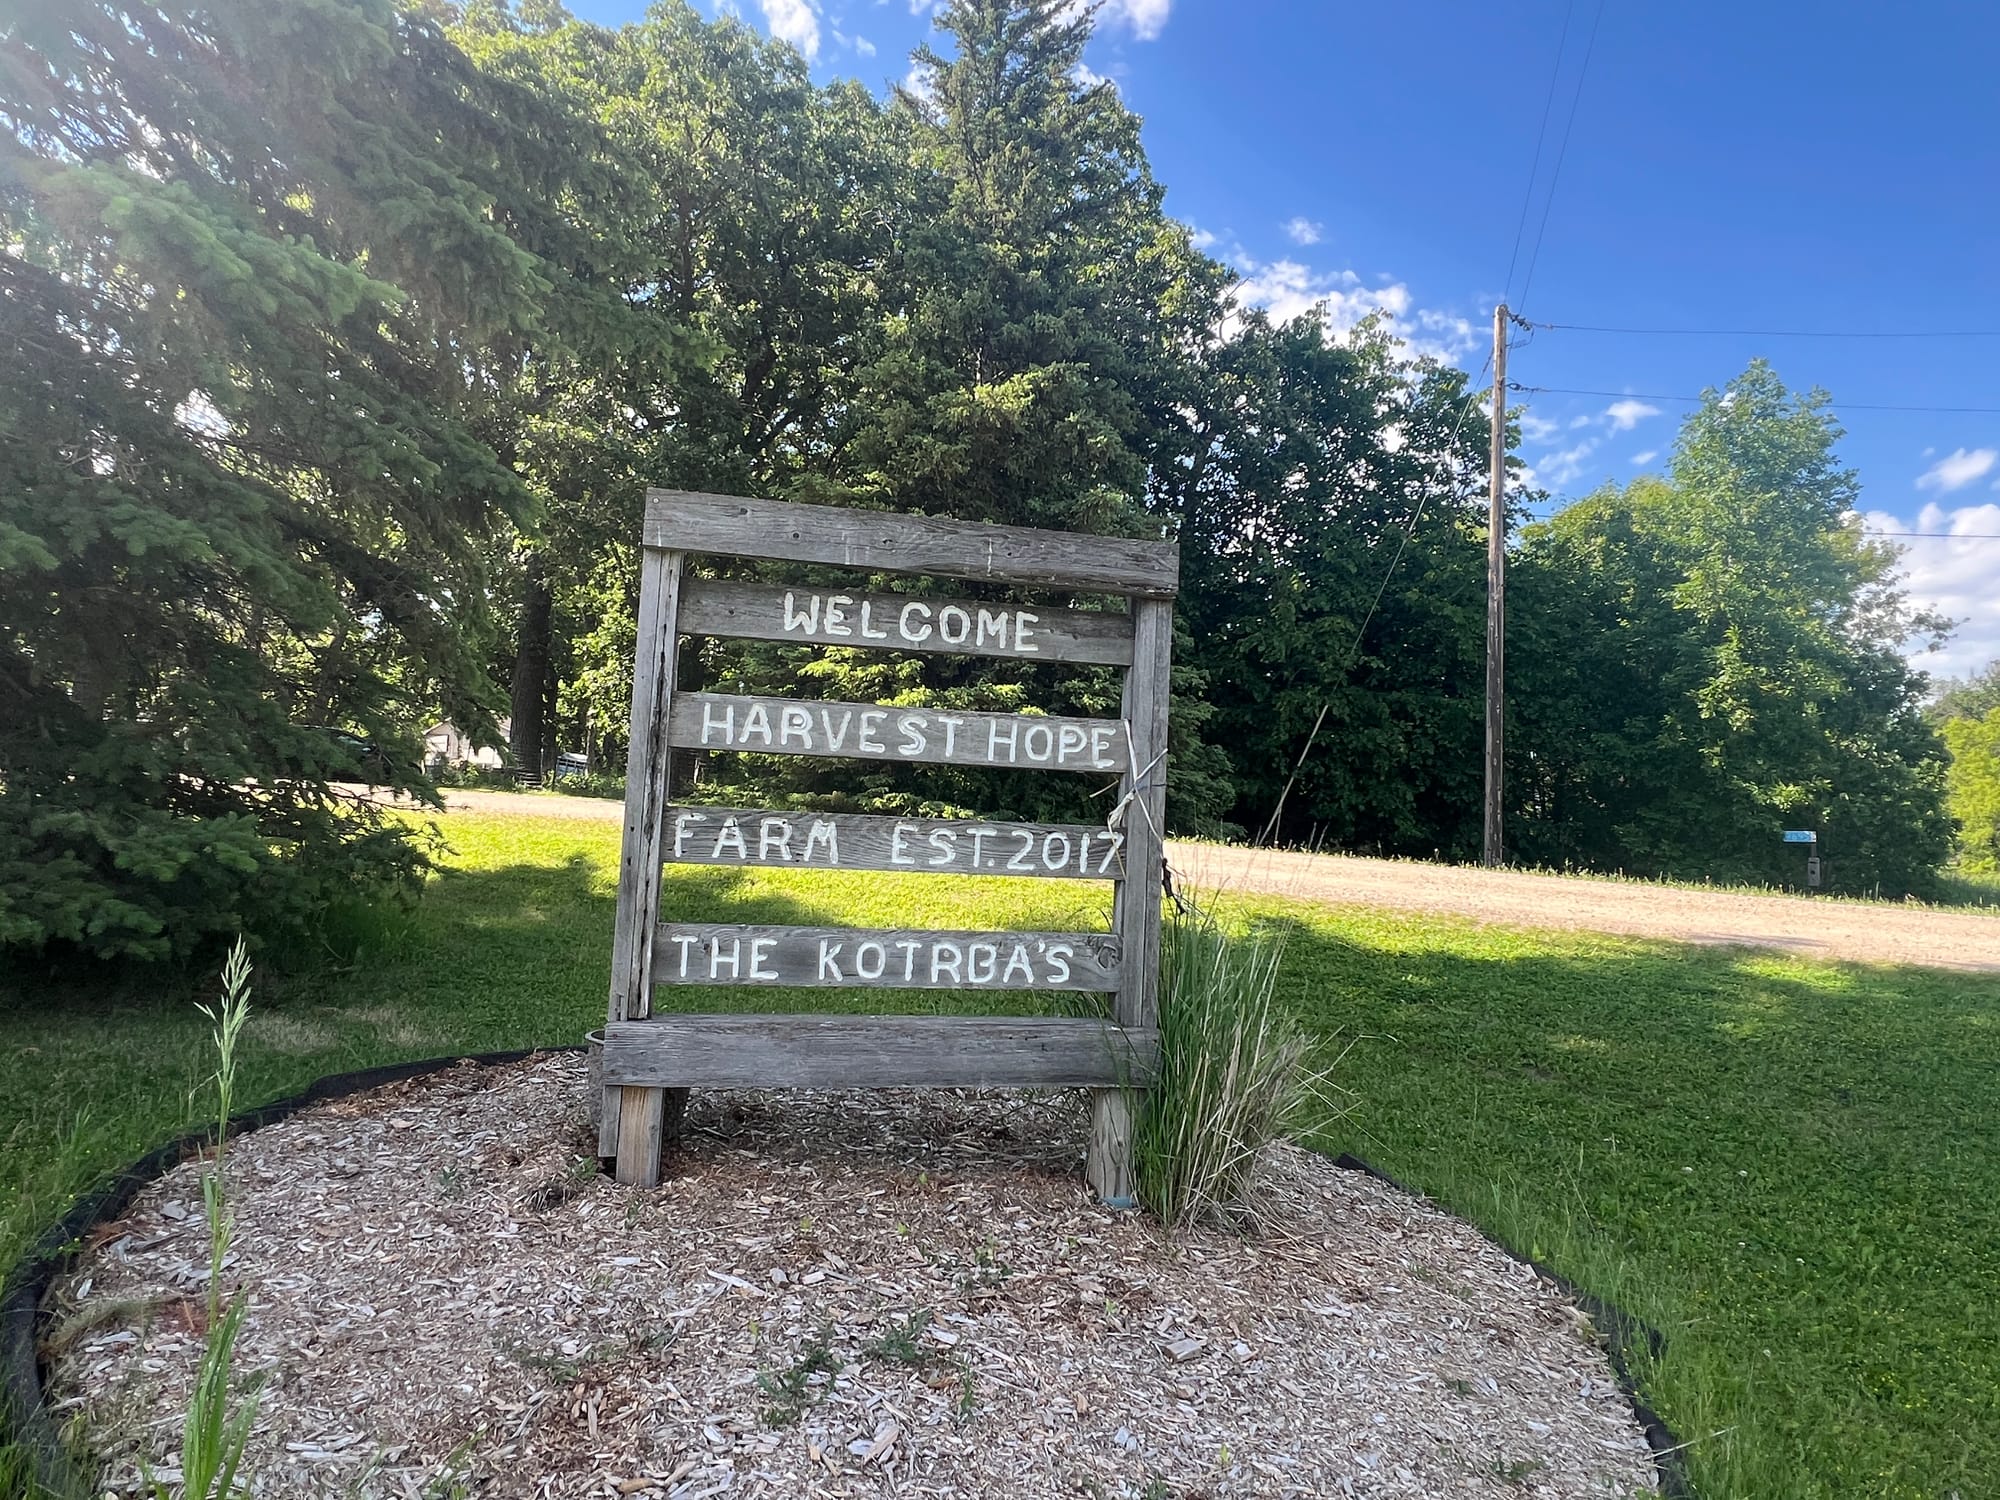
1235, 1074
212, 1436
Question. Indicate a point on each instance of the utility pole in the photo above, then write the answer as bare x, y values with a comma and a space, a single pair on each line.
1496, 594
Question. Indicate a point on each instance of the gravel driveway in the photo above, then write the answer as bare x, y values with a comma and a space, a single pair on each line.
1820, 927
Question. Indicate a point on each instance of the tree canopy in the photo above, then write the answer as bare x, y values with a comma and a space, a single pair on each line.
355, 331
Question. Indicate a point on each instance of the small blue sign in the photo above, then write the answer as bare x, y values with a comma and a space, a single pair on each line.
1801, 836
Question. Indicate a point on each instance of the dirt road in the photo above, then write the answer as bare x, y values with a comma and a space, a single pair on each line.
1862, 931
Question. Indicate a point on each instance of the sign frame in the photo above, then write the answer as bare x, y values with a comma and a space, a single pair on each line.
648, 1062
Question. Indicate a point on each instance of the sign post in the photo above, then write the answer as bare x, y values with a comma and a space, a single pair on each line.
650, 1060
1810, 839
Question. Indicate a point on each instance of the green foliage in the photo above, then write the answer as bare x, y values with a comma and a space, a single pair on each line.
1970, 697
266, 264
212, 1435
1550, 1086
1234, 1075
1702, 662
1973, 785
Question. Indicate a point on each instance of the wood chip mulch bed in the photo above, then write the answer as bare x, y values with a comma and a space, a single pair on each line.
891, 1293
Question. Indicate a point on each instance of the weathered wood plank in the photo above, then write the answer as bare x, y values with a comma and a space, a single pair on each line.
890, 958
1136, 908
902, 622
874, 731
648, 766
864, 841
807, 1051
890, 542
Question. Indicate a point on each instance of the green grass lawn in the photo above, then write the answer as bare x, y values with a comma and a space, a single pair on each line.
1793, 1168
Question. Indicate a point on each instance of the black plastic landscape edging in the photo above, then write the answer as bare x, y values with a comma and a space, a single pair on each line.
1622, 1333
25, 1419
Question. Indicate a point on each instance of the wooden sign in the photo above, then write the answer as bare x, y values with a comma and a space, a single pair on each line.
864, 841
648, 1055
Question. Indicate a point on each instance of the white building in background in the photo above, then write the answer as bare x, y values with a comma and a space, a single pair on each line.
446, 742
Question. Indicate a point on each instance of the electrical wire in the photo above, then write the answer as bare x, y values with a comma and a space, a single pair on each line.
1354, 646
1535, 167
1528, 282
1781, 333
1567, 390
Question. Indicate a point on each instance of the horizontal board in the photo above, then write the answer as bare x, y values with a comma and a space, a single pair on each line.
890, 542
863, 841
898, 622
883, 959
731, 1051
871, 731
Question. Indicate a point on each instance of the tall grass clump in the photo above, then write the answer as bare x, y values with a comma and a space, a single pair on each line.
1235, 1074
212, 1436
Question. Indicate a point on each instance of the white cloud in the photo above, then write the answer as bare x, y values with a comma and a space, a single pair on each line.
794, 21
1629, 413
1088, 77
1647, 457
1303, 231
1958, 578
1201, 239
1957, 469
865, 47
1147, 18
1561, 470
1536, 429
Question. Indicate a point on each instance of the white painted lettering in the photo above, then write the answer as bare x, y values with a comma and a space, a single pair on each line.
1100, 747
982, 962
760, 950
681, 822
909, 947
834, 739
992, 622
948, 617
806, 619
1017, 958
1048, 743
716, 958
1023, 636
774, 837
1005, 729
795, 722
836, 615
1024, 846
940, 967
731, 835
979, 837
871, 728
1052, 859
822, 832
1070, 741
869, 957
951, 723
898, 855
1058, 955
922, 630
873, 635
911, 727
684, 941
1113, 843
727, 726
945, 841
757, 721
829, 960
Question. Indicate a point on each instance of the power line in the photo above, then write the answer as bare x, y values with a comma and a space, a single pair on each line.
1555, 176
1567, 390
1782, 333
1535, 167
1939, 536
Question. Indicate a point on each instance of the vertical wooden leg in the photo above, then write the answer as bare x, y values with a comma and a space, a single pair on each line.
640, 1115
610, 1116
1109, 1165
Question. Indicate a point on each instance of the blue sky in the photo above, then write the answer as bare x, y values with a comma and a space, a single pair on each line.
1779, 165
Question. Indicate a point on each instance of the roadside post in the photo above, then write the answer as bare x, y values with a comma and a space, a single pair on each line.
1810, 839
